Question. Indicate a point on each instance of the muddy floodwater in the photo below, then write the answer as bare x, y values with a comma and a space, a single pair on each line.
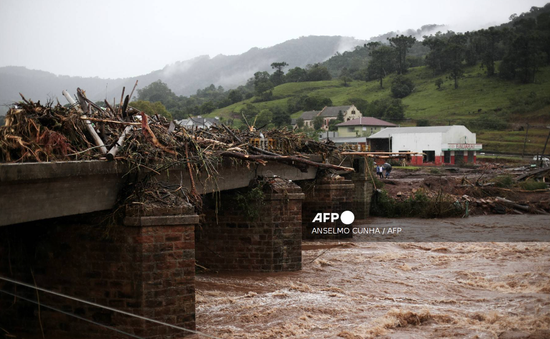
360, 289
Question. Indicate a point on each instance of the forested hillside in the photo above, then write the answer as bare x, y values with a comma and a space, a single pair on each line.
184, 78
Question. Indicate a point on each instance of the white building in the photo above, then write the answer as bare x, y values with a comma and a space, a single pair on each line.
198, 122
440, 144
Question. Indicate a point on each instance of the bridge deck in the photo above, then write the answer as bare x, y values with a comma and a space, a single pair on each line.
35, 191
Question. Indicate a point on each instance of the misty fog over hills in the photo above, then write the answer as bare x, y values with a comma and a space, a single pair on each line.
184, 77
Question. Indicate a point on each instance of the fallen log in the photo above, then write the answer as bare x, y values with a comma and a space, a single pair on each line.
259, 150
532, 173
91, 129
285, 159
380, 153
512, 204
145, 127
111, 121
112, 153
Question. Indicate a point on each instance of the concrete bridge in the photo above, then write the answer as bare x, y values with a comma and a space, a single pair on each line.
144, 263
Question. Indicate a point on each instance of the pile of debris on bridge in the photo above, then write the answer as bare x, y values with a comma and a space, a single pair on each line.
83, 130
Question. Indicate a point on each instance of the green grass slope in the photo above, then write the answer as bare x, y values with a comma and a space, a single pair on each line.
478, 97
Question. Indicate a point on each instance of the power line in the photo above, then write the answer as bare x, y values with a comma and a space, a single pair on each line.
106, 307
70, 314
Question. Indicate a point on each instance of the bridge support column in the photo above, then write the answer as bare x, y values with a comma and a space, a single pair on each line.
363, 188
253, 229
145, 266
326, 195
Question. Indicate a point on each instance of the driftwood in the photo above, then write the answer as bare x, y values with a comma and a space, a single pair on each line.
380, 153
91, 129
520, 207
121, 100
292, 160
113, 112
532, 174
112, 153
133, 89
512, 204
125, 106
259, 150
147, 130
112, 121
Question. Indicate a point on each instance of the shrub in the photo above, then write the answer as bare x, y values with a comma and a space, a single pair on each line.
504, 181
488, 123
401, 87
531, 185
418, 205
423, 122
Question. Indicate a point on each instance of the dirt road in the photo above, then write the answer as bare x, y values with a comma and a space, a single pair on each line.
357, 289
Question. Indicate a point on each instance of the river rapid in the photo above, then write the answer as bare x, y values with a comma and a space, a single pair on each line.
360, 289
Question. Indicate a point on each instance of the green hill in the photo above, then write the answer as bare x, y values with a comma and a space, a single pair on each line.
497, 110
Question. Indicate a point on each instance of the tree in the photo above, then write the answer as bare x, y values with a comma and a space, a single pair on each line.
490, 52
235, 96
455, 54
436, 59
281, 118
402, 44
278, 75
332, 125
300, 122
345, 80
296, 74
249, 112
318, 122
395, 110
262, 83
381, 63
525, 54
345, 77
223, 103
387, 108
207, 107
401, 86
317, 72
438, 83
158, 91
361, 104
263, 118
151, 108
316, 103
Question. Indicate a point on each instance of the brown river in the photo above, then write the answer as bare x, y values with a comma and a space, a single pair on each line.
359, 289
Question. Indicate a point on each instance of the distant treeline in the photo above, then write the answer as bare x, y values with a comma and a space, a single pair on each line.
513, 51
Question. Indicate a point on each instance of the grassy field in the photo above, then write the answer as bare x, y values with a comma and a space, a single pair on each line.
478, 97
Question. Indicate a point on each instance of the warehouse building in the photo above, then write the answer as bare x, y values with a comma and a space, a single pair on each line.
439, 145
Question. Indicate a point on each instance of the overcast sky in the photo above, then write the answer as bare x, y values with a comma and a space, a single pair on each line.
119, 38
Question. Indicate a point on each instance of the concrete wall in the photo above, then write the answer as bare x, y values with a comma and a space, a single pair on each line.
417, 142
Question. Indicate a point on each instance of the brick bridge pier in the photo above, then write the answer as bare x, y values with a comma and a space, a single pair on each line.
145, 263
